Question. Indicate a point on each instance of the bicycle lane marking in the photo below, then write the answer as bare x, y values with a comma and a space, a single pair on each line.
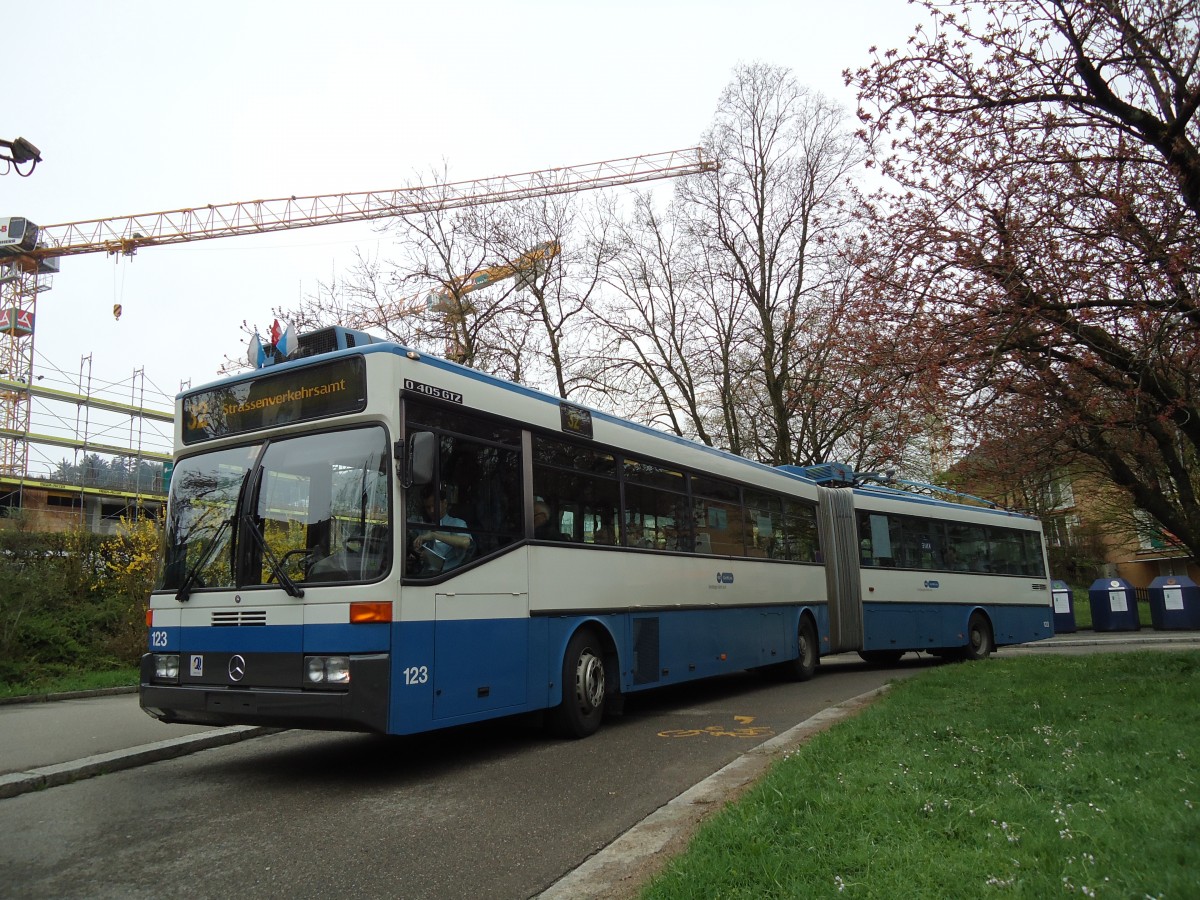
743, 729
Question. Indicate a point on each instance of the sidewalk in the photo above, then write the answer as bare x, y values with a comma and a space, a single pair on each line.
1088, 638
55, 741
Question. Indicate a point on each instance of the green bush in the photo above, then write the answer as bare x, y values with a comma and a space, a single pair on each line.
73, 602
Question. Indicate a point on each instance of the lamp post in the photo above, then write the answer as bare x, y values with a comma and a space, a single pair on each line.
21, 151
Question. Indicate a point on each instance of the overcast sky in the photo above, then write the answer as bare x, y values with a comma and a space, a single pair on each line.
145, 106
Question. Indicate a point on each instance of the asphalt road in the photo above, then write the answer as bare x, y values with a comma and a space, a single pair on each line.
488, 811
498, 810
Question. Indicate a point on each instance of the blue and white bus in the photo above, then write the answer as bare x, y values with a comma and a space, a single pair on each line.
365, 537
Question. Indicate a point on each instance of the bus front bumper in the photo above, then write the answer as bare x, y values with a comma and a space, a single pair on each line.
360, 706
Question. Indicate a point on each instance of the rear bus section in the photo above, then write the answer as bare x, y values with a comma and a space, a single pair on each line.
919, 574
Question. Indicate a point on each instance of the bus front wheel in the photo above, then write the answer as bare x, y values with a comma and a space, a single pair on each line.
584, 687
979, 637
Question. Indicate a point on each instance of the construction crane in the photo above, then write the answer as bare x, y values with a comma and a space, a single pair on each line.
531, 262
28, 254
449, 301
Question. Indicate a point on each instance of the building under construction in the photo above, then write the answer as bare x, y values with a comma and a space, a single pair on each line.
95, 451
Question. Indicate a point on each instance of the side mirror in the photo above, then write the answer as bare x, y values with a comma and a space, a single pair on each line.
422, 451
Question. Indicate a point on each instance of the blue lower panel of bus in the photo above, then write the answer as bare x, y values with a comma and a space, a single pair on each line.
409, 677
455, 672
927, 626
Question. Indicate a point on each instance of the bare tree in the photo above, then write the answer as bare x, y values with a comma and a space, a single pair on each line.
770, 224
427, 293
653, 319
547, 329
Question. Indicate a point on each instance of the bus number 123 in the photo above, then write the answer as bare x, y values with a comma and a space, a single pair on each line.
416, 675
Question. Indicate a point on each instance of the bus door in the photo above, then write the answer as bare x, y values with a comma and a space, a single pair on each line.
463, 518
481, 652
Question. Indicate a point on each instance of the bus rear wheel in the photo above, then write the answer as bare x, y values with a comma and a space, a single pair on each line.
585, 687
980, 642
804, 666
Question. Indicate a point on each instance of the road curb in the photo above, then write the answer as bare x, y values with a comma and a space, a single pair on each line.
16, 783
1124, 637
620, 869
68, 695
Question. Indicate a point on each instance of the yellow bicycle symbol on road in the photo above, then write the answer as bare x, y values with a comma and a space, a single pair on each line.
743, 730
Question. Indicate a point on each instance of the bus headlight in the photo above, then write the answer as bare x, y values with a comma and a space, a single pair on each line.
166, 666
327, 670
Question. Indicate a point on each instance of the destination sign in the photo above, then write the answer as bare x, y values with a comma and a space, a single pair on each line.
299, 395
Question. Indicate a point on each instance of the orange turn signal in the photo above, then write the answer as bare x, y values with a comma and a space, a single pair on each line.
372, 611
149, 618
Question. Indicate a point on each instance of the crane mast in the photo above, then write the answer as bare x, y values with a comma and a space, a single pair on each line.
28, 258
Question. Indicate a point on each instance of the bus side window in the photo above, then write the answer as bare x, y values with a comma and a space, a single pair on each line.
801, 529
579, 485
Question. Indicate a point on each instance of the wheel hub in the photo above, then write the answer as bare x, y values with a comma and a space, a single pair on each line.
590, 681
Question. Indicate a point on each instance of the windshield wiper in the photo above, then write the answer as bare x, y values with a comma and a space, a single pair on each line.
185, 589
276, 569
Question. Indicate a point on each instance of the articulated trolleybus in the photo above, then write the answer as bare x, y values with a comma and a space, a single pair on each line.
364, 537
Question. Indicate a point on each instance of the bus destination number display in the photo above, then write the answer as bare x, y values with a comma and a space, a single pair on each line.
434, 393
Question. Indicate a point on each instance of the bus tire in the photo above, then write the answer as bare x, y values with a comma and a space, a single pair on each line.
585, 687
804, 666
980, 641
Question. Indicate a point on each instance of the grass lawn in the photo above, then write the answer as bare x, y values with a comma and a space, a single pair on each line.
85, 681
1083, 611
1027, 777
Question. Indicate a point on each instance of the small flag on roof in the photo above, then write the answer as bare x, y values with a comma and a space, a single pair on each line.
286, 342
255, 354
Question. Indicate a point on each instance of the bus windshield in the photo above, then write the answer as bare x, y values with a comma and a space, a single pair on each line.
309, 509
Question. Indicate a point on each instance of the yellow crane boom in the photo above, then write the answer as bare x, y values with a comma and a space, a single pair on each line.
29, 253
126, 234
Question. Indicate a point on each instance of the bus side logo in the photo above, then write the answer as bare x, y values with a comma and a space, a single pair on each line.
724, 578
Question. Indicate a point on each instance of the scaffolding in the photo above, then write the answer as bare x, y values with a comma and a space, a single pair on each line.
119, 435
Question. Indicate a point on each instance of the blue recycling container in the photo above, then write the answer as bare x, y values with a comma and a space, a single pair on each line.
1174, 603
1064, 607
1114, 605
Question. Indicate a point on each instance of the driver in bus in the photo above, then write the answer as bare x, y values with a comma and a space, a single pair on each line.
441, 550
